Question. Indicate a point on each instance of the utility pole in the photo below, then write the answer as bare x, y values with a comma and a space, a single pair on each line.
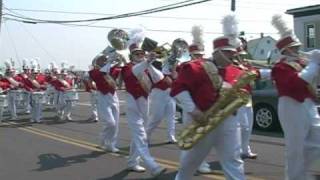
233, 5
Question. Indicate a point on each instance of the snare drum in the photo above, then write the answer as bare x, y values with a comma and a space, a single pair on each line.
71, 95
3, 100
38, 97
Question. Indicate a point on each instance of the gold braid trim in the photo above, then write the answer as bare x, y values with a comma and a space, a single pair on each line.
213, 74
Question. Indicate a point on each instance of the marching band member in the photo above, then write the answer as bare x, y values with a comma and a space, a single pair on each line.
24, 75
90, 87
196, 50
35, 84
4, 87
297, 112
138, 85
63, 84
161, 105
245, 113
52, 79
107, 104
200, 77
13, 80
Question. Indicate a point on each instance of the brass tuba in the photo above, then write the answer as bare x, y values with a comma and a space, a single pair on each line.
179, 48
118, 38
228, 102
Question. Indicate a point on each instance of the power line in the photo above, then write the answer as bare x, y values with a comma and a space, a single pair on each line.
104, 14
138, 13
126, 28
37, 41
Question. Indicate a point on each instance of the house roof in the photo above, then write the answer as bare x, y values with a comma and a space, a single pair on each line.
304, 11
255, 42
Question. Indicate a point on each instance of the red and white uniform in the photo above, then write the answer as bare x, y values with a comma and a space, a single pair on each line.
298, 116
189, 88
63, 104
12, 103
4, 86
36, 106
108, 109
138, 83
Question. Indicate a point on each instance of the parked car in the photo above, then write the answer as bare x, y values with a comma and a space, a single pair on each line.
265, 105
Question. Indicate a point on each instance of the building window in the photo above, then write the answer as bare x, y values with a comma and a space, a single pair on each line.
268, 41
311, 35
262, 51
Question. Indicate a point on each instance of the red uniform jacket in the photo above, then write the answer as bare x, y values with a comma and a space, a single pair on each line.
231, 74
102, 85
4, 84
194, 79
132, 84
288, 83
59, 86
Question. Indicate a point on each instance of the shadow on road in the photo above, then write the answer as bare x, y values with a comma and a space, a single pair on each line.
52, 161
124, 173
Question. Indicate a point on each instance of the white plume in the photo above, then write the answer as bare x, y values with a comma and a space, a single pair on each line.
53, 65
7, 63
33, 64
197, 34
24, 62
64, 65
230, 25
280, 25
136, 36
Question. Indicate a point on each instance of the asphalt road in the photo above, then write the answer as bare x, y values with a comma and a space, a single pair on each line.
69, 151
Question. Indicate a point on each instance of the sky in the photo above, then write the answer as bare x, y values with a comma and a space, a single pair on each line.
78, 45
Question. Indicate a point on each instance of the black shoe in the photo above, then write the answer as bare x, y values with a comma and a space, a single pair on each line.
249, 156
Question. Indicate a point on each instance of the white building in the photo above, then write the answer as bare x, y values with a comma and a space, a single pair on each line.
307, 25
263, 48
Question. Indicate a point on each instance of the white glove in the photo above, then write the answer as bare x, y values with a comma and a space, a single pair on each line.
311, 71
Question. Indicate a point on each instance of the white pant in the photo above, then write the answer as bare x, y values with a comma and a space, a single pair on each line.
301, 125
36, 111
12, 104
64, 106
137, 115
27, 101
56, 99
161, 105
108, 113
226, 141
94, 102
245, 116
1, 113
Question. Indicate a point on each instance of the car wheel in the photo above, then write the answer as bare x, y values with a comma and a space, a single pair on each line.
265, 118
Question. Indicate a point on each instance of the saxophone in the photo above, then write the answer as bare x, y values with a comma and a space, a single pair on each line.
227, 103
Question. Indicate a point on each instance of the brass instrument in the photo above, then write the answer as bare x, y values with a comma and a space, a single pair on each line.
228, 102
118, 38
179, 49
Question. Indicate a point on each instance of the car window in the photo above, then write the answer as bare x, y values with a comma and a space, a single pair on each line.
263, 84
